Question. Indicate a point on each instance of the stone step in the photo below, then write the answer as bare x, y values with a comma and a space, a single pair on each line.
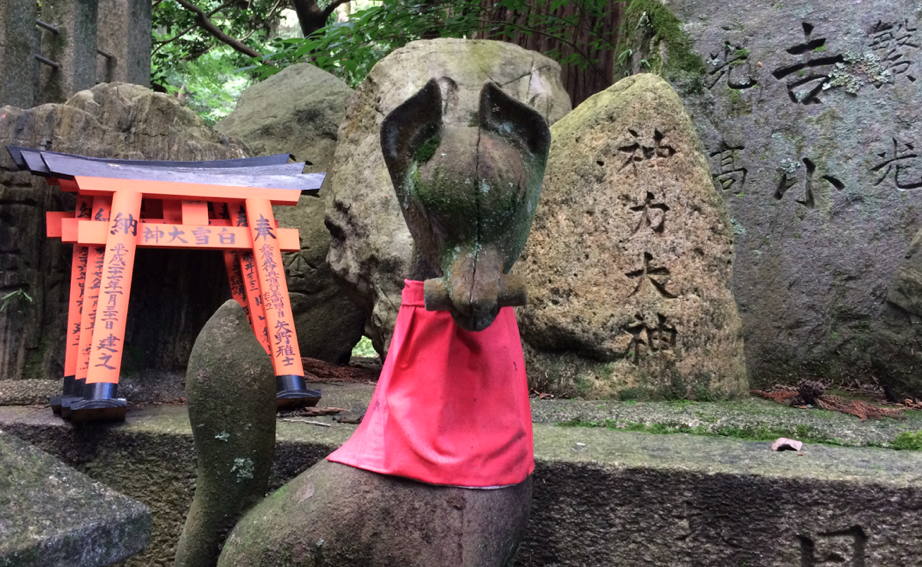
602, 497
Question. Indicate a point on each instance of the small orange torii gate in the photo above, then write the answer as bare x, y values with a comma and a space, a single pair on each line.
214, 205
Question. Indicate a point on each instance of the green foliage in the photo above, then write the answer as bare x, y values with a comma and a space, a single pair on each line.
19, 297
364, 349
350, 49
908, 441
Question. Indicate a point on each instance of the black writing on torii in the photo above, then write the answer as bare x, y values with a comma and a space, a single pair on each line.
897, 160
790, 177
809, 74
640, 150
893, 43
652, 214
657, 276
655, 338
730, 62
729, 173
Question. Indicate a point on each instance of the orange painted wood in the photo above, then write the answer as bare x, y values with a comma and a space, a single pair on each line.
95, 262
111, 316
53, 222
156, 235
283, 342
175, 190
235, 282
172, 211
195, 212
77, 283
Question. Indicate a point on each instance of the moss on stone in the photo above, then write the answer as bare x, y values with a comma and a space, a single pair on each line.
666, 28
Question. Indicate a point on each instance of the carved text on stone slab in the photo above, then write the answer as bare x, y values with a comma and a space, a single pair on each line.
657, 276
658, 337
652, 214
894, 43
805, 79
901, 159
729, 172
731, 62
842, 548
790, 177
640, 150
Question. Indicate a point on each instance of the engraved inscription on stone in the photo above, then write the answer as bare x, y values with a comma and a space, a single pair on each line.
652, 214
790, 176
894, 44
731, 62
729, 173
660, 336
657, 276
841, 548
806, 78
640, 150
900, 160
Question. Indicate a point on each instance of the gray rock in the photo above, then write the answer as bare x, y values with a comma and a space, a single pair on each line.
54, 516
899, 336
629, 261
333, 514
371, 250
175, 291
230, 387
298, 111
805, 110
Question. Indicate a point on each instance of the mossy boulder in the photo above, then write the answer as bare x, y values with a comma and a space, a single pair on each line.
230, 388
298, 111
629, 261
335, 515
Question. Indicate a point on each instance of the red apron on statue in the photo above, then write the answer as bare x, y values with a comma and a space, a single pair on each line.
451, 406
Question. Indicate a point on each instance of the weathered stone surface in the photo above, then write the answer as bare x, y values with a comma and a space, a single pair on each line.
371, 250
230, 388
19, 40
601, 497
175, 290
123, 31
629, 261
298, 111
54, 516
805, 111
898, 348
73, 48
359, 518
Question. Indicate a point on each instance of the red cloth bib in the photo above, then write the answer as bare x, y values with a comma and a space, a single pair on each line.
451, 406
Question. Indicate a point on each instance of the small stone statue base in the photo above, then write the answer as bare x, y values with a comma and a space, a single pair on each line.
334, 515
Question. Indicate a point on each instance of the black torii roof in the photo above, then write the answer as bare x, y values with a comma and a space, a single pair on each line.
268, 171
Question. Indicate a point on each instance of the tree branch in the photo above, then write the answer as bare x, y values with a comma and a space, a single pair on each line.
203, 22
311, 17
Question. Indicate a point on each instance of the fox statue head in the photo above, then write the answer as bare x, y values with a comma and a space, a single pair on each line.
468, 195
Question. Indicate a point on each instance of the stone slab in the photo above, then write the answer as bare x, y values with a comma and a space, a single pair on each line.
601, 497
52, 515
809, 112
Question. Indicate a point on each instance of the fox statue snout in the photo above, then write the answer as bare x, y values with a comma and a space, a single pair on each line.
468, 194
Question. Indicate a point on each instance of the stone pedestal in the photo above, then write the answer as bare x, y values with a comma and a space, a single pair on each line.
73, 48
123, 31
18, 42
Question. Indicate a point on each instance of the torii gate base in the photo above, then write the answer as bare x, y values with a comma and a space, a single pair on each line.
124, 204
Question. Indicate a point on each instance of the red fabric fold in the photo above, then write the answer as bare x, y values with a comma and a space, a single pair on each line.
451, 406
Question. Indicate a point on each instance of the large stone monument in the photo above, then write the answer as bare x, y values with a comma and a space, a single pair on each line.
629, 261
809, 116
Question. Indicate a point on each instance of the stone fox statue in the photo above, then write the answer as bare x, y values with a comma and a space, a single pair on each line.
439, 470
468, 195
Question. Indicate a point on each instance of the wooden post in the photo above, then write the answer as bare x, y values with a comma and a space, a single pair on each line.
283, 343
112, 313
75, 310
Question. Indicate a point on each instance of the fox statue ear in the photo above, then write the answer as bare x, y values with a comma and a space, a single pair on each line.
406, 129
512, 120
